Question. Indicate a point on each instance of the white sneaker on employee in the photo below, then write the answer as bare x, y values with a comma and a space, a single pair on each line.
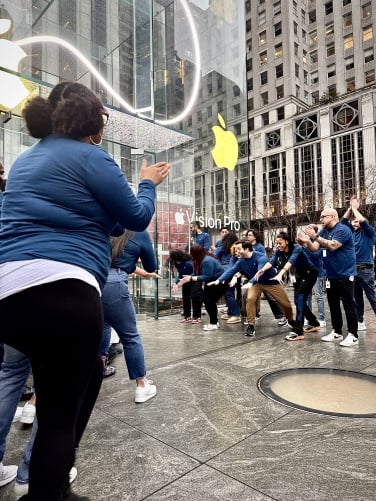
350, 340
322, 323
210, 327
28, 414
7, 474
144, 393
22, 489
362, 326
332, 336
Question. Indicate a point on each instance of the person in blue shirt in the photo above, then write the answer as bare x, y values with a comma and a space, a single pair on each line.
303, 275
255, 238
192, 299
260, 277
224, 255
218, 243
199, 237
118, 309
206, 269
336, 240
364, 239
64, 198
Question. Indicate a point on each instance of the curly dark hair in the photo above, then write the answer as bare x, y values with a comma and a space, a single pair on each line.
178, 256
228, 241
70, 109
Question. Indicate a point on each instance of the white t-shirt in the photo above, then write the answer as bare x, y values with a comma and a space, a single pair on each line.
17, 276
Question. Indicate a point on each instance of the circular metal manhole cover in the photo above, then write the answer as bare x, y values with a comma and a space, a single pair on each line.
323, 391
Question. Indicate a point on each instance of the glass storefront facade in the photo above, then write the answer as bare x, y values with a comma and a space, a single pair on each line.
173, 76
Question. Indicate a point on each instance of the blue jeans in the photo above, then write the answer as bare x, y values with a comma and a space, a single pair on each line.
119, 313
13, 377
364, 281
319, 294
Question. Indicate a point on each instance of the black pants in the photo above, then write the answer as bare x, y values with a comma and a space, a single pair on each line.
212, 294
59, 327
342, 289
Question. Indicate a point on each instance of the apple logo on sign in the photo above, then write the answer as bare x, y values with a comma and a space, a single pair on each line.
12, 90
225, 152
179, 217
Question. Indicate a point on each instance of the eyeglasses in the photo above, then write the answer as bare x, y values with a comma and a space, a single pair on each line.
325, 215
105, 118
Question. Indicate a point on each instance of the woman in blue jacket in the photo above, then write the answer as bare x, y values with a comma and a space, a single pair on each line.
303, 276
207, 269
192, 299
64, 197
118, 309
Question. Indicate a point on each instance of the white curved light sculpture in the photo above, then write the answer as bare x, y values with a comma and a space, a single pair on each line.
107, 86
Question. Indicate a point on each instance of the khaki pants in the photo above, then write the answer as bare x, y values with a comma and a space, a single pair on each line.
276, 291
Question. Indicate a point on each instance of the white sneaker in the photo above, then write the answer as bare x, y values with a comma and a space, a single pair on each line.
144, 393
7, 474
28, 414
350, 340
18, 414
22, 489
322, 323
362, 326
332, 336
211, 327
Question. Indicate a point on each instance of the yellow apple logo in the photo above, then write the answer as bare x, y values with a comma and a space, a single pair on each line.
225, 152
12, 90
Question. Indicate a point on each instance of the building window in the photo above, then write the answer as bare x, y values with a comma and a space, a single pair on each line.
312, 17
370, 77
368, 55
248, 25
281, 113
305, 77
328, 8
220, 106
313, 57
278, 29
263, 57
332, 91
238, 129
367, 33
236, 91
367, 11
278, 50
262, 38
331, 70
314, 77
350, 85
236, 109
297, 90
315, 97
279, 71
209, 111
264, 98
346, 2
304, 56
296, 70
296, 49
250, 104
348, 42
273, 139
347, 20
349, 63
249, 84
265, 119
199, 116
306, 128
262, 17
345, 116
329, 30
313, 38
280, 92
249, 64
264, 78
277, 8
330, 50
